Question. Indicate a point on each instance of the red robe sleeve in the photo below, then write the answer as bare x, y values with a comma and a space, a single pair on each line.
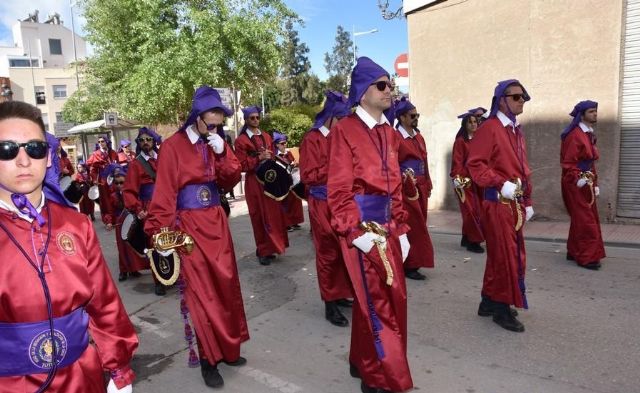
109, 324
162, 210
131, 189
458, 158
481, 150
228, 172
244, 152
313, 158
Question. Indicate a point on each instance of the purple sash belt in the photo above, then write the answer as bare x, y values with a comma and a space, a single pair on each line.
318, 192
146, 192
374, 207
198, 196
491, 194
416, 165
585, 165
25, 348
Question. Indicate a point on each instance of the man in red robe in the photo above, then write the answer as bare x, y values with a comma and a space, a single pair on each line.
253, 148
125, 154
498, 163
98, 163
293, 213
412, 155
364, 194
466, 190
578, 155
139, 184
333, 279
86, 204
66, 167
195, 162
45, 342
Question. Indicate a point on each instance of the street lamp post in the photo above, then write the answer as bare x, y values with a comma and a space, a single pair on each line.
73, 40
355, 34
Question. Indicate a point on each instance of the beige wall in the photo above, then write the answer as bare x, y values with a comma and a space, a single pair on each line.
562, 51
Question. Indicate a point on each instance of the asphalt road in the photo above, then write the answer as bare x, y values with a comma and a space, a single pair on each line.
581, 328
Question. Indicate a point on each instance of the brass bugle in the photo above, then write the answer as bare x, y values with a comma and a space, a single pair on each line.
167, 240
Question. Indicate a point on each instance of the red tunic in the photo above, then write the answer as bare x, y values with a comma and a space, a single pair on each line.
136, 177
497, 154
585, 237
87, 206
333, 278
470, 208
77, 275
128, 260
356, 166
293, 212
65, 165
124, 159
212, 293
267, 216
421, 251
98, 161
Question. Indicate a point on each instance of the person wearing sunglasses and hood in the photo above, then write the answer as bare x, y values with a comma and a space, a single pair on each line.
414, 166
293, 213
253, 147
498, 163
364, 194
125, 154
466, 190
87, 205
48, 247
193, 165
98, 161
333, 279
578, 155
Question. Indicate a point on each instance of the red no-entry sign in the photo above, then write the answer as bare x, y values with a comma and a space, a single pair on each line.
401, 65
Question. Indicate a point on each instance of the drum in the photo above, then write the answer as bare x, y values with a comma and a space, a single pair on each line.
94, 193
275, 178
132, 233
74, 191
166, 269
65, 182
298, 187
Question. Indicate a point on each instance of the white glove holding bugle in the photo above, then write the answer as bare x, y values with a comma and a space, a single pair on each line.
508, 190
366, 241
581, 182
216, 143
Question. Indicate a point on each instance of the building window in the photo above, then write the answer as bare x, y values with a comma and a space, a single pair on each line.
23, 63
59, 91
45, 120
55, 46
40, 96
59, 118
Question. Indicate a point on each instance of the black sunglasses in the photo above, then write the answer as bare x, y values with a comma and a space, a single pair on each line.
414, 116
35, 149
381, 85
118, 182
517, 97
143, 139
254, 117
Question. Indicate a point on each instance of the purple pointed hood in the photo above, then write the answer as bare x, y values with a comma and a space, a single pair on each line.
577, 113
499, 92
335, 105
157, 139
363, 75
204, 99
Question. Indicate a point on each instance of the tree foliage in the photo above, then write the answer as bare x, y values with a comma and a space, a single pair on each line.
293, 122
150, 55
339, 62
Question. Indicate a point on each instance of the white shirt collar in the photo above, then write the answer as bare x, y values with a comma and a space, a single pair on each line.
324, 130
404, 133
153, 155
585, 127
13, 209
251, 133
368, 119
193, 135
506, 121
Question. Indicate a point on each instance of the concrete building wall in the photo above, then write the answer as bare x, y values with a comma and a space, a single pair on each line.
562, 51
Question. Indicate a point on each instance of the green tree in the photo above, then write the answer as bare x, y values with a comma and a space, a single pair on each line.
293, 122
150, 55
340, 61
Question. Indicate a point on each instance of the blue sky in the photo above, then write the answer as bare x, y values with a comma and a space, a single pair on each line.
321, 18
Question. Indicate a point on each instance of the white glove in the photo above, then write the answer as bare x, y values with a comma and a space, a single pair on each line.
528, 212
457, 183
216, 143
581, 182
165, 253
111, 388
596, 190
365, 242
508, 189
404, 246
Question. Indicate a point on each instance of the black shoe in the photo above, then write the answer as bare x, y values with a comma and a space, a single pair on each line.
212, 377
93, 218
508, 321
122, 276
475, 247
289, 229
160, 289
240, 362
264, 261
353, 371
487, 309
592, 265
344, 302
334, 315
570, 257
464, 242
414, 274
368, 389
296, 227
135, 274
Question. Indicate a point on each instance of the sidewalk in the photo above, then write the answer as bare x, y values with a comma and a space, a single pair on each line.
614, 235
450, 222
